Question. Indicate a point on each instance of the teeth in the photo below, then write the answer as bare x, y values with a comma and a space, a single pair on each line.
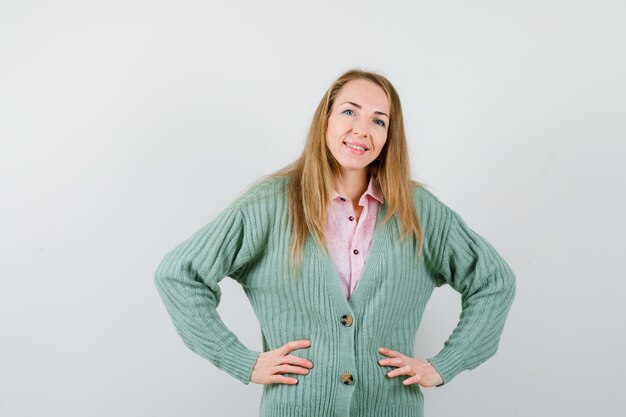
355, 146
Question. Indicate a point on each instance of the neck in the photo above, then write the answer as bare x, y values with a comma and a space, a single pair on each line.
352, 183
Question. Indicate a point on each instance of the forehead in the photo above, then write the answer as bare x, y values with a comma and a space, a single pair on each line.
365, 93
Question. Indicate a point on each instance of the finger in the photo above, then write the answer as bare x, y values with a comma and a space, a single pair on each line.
399, 371
280, 379
415, 379
391, 361
389, 352
294, 345
296, 360
288, 369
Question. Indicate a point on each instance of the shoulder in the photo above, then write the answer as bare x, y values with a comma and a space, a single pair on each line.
434, 214
262, 199
262, 190
425, 200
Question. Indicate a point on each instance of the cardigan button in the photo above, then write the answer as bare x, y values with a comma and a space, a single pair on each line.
347, 379
346, 320
351, 218
356, 251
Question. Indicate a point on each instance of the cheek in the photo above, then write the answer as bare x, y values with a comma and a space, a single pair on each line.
381, 141
337, 125
333, 133
329, 135
331, 140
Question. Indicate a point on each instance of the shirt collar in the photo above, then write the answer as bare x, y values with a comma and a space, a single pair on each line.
371, 190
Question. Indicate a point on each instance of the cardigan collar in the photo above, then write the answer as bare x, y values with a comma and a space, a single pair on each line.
369, 276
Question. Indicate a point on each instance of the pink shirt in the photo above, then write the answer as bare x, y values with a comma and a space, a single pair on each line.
349, 240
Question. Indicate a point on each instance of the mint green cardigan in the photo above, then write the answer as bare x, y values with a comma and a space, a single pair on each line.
248, 241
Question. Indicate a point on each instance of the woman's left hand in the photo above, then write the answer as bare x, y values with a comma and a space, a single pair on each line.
420, 371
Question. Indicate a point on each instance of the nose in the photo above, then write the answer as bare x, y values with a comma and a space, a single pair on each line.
360, 127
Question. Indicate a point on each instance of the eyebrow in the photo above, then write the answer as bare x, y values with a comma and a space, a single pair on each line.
359, 107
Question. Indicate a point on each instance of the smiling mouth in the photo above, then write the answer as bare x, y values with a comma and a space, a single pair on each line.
360, 148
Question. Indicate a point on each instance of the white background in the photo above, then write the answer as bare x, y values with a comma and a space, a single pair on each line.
126, 126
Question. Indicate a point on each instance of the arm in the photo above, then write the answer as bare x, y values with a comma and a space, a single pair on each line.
470, 265
187, 281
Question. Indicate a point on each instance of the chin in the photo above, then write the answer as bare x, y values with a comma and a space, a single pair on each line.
353, 167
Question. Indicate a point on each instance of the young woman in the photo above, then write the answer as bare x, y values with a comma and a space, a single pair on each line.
338, 253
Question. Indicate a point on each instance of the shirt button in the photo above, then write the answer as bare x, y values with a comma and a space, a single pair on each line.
346, 320
351, 218
342, 199
356, 252
347, 379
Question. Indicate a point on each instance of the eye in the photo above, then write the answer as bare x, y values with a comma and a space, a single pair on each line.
382, 123
347, 110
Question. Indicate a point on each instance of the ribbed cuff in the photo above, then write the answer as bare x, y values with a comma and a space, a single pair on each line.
448, 364
238, 361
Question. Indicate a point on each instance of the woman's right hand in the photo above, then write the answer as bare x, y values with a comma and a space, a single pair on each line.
270, 364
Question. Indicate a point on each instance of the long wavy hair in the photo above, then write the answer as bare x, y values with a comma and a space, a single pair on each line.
310, 184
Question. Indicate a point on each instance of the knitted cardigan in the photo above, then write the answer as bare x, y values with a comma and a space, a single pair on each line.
249, 242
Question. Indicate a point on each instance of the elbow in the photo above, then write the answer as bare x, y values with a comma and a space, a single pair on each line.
507, 291
510, 284
158, 280
506, 283
161, 276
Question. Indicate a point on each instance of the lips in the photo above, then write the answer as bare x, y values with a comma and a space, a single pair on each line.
362, 145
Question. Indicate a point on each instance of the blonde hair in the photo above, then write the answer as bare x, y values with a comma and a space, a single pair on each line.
311, 176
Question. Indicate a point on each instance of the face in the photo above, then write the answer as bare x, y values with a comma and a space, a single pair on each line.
358, 124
